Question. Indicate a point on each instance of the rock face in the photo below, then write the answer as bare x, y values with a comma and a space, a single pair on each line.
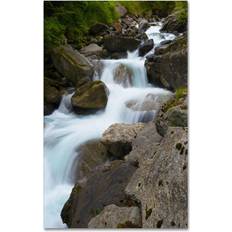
90, 97
98, 29
173, 23
121, 10
143, 25
169, 68
146, 47
92, 49
120, 44
123, 75
90, 155
113, 216
70, 63
118, 138
160, 183
103, 187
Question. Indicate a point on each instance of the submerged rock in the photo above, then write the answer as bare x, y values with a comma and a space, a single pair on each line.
169, 67
118, 138
73, 65
160, 183
123, 75
113, 216
120, 44
105, 186
146, 47
90, 98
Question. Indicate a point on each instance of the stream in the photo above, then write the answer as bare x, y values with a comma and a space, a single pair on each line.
65, 131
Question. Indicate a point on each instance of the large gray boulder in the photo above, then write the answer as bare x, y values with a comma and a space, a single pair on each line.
146, 47
120, 44
71, 64
160, 183
90, 98
169, 67
113, 216
103, 187
118, 138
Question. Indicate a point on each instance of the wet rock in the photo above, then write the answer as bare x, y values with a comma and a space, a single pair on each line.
73, 65
169, 68
123, 75
89, 155
92, 49
90, 98
146, 47
103, 187
118, 138
160, 183
120, 44
113, 216
143, 25
98, 29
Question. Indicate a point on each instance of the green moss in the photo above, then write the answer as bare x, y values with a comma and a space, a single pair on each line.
177, 100
181, 9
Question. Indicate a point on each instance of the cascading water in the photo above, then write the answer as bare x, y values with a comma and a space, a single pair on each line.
65, 131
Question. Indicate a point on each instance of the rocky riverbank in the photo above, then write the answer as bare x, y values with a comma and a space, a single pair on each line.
135, 175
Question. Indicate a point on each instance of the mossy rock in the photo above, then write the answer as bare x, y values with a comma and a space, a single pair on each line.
90, 98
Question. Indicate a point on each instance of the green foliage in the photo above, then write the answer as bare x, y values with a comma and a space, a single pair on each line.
72, 19
181, 8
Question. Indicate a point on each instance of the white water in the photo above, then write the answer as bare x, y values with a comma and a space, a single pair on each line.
65, 131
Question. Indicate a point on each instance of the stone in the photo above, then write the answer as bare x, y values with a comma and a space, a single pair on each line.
176, 22
169, 68
146, 47
92, 49
143, 25
160, 183
89, 155
103, 187
123, 75
98, 29
120, 43
113, 216
71, 64
118, 138
90, 98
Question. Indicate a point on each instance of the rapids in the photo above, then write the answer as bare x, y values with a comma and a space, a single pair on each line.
64, 131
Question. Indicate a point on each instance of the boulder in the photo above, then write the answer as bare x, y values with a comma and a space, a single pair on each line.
169, 67
90, 98
160, 183
103, 187
143, 25
118, 138
89, 155
120, 44
92, 49
146, 47
123, 75
176, 22
121, 10
52, 96
113, 216
98, 29
73, 65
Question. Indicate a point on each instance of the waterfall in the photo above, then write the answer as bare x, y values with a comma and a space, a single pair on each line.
65, 131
